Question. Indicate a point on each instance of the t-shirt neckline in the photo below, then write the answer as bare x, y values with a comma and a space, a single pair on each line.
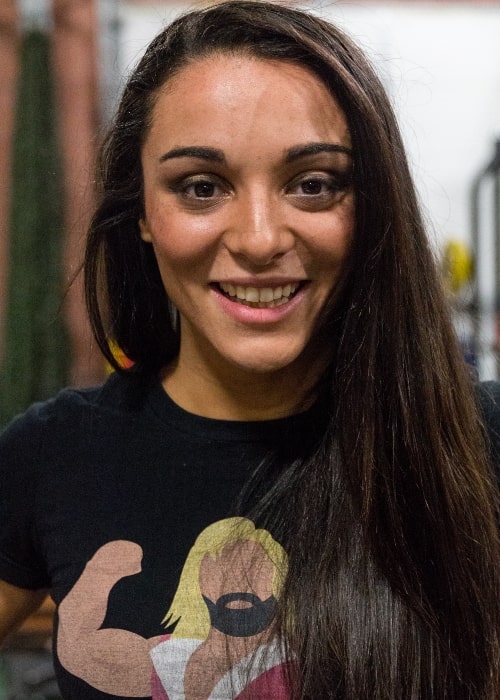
167, 411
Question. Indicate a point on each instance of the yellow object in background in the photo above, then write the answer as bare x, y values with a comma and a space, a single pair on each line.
457, 265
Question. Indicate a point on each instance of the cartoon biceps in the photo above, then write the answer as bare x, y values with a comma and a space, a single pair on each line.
112, 660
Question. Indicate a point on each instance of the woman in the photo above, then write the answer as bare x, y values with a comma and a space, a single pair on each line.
296, 396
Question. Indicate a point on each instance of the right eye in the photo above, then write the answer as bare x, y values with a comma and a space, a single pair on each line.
201, 189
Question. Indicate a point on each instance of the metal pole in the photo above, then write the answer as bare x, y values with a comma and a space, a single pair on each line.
495, 171
36, 14
476, 305
485, 307
109, 23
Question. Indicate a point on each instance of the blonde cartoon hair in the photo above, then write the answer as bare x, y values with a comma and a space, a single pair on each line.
188, 608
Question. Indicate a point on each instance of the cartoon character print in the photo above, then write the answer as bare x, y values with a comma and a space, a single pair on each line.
222, 646
224, 609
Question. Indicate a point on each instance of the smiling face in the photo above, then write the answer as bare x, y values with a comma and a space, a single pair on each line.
250, 210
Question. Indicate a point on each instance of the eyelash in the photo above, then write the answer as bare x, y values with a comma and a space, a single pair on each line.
182, 187
331, 184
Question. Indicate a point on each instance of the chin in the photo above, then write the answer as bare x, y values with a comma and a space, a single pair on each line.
267, 364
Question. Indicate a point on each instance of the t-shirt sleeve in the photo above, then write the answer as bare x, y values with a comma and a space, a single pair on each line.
20, 448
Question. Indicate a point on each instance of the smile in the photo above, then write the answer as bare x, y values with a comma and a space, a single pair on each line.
259, 298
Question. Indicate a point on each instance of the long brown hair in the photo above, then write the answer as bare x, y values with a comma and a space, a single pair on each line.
388, 516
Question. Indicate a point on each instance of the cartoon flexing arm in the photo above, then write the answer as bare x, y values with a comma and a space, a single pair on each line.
112, 660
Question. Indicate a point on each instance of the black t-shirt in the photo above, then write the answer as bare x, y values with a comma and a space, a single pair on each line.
123, 505
107, 495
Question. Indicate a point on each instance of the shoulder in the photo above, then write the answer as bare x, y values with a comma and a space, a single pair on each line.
71, 409
488, 395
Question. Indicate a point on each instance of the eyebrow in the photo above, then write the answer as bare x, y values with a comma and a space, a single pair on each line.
311, 149
213, 155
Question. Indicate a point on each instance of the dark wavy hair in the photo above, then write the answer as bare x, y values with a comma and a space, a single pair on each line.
389, 516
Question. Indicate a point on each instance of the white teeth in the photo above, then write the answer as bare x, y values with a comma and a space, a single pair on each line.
266, 294
264, 297
251, 294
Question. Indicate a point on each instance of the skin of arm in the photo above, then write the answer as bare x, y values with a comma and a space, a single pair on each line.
16, 604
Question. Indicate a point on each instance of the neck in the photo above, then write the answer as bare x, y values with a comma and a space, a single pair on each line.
236, 395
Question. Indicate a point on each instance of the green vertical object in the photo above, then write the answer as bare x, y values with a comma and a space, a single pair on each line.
36, 350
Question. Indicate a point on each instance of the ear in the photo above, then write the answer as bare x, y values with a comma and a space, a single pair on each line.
145, 232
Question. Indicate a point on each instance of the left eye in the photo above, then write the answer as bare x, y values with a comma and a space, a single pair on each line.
314, 186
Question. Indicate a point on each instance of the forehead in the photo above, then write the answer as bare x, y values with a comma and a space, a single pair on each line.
245, 99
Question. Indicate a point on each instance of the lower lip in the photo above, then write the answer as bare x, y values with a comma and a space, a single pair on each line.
250, 315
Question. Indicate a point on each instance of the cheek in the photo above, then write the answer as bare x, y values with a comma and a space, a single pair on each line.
336, 239
329, 247
179, 238
180, 251
327, 236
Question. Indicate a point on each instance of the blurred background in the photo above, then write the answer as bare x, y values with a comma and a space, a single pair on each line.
62, 66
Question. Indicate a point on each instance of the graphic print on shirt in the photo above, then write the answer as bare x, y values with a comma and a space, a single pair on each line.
222, 646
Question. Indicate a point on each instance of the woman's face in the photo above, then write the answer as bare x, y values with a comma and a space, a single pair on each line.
249, 208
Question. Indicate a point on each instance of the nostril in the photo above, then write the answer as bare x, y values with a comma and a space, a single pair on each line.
256, 259
260, 245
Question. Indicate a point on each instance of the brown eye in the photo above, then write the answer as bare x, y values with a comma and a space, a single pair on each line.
200, 188
312, 186
317, 190
200, 191
203, 189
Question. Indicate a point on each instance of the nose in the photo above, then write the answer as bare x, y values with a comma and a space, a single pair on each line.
258, 231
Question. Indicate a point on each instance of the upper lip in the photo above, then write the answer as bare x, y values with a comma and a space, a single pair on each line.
260, 283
